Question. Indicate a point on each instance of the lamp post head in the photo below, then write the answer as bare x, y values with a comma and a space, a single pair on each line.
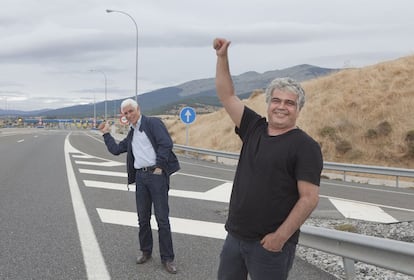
109, 11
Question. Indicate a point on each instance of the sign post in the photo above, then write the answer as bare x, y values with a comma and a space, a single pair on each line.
187, 116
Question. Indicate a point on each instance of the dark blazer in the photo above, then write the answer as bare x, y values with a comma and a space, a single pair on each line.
160, 139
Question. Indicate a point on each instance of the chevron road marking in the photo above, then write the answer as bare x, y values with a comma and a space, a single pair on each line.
220, 193
360, 211
103, 172
83, 156
348, 208
178, 225
106, 164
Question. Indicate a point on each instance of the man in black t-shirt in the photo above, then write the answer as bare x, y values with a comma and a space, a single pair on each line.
276, 186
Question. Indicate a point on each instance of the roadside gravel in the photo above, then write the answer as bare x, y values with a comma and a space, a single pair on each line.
402, 231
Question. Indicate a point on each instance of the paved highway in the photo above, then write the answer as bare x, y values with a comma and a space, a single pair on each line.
66, 212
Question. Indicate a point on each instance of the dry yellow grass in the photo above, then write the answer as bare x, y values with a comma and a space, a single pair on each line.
359, 116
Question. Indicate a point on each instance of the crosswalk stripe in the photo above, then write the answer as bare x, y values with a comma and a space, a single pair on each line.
361, 211
178, 225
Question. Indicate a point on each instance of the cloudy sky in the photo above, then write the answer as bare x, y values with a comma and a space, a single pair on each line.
48, 47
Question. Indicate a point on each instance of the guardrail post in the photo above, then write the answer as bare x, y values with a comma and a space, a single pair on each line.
349, 267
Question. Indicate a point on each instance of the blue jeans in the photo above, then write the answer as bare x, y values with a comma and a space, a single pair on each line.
153, 189
240, 258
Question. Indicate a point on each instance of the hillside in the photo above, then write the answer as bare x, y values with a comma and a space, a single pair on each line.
169, 100
361, 116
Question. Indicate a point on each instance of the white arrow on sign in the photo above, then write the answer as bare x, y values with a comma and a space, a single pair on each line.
188, 115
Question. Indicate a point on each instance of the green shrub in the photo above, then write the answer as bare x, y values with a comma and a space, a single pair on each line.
384, 128
409, 139
343, 146
346, 227
371, 133
327, 131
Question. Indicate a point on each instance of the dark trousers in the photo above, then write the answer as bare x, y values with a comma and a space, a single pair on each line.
152, 189
240, 258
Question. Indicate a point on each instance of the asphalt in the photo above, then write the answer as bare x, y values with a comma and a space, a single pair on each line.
303, 270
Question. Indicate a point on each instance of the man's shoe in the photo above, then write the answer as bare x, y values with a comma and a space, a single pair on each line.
170, 267
144, 258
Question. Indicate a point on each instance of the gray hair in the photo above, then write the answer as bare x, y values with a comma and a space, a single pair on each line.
129, 102
286, 84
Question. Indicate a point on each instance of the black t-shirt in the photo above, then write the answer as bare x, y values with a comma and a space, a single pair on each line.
265, 185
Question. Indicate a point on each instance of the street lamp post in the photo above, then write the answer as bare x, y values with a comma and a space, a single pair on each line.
94, 111
136, 49
100, 71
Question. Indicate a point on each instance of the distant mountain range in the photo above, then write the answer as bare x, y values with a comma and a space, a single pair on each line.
197, 93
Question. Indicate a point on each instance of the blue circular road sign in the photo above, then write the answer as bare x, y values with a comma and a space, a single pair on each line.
187, 115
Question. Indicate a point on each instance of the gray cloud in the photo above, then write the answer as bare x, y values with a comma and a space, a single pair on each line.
47, 49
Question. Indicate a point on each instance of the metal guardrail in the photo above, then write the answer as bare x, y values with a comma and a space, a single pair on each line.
370, 169
342, 167
386, 253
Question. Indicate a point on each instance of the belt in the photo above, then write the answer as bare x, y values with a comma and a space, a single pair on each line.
147, 168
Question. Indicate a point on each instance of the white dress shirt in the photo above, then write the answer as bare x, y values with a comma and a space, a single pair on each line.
142, 148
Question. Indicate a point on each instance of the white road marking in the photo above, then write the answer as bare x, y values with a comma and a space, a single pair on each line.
220, 193
92, 255
367, 203
105, 185
178, 225
20, 141
102, 172
371, 189
106, 163
202, 177
82, 156
353, 210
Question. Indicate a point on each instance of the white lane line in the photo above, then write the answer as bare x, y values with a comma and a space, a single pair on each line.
219, 194
92, 255
360, 211
105, 164
178, 225
20, 141
105, 173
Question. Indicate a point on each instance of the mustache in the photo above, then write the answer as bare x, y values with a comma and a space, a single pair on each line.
282, 111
